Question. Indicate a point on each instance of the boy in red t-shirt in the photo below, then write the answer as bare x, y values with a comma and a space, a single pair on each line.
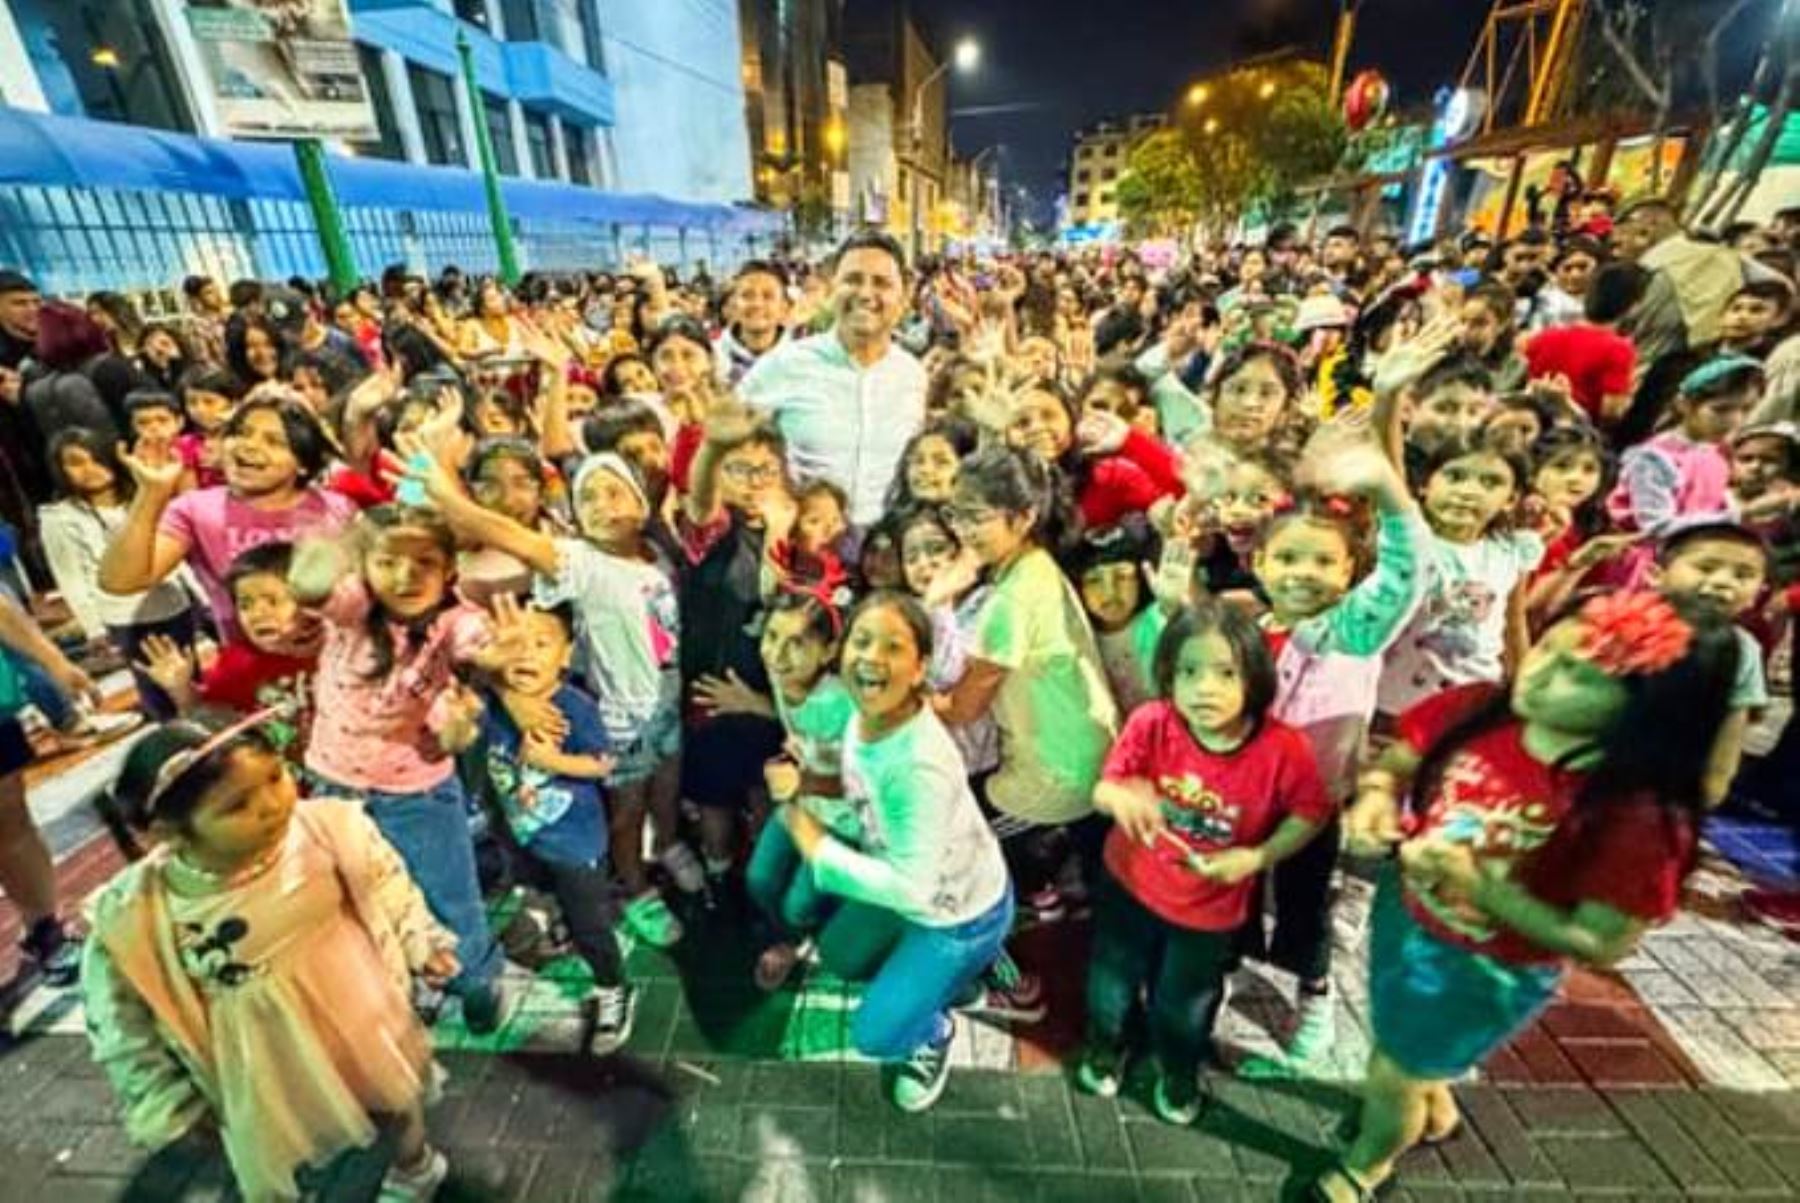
1206, 793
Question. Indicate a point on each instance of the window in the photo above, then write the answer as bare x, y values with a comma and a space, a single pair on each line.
386, 144
472, 11
435, 97
1081, 177
581, 162
1106, 197
506, 158
141, 86
1081, 199
521, 20
569, 29
1111, 173
537, 137
1112, 149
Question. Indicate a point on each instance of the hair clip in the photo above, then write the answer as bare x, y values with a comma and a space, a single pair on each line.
177, 766
1631, 634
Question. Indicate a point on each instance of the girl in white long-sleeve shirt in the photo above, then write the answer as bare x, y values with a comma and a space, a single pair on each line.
93, 493
928, 858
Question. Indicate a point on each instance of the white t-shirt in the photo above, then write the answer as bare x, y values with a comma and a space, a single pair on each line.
1055, 710
1457, 636
816, 728
928, 854
630, 625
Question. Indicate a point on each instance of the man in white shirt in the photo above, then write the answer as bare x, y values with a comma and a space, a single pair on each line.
848, 400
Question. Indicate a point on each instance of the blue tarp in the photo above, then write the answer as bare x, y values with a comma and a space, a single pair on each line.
37, 148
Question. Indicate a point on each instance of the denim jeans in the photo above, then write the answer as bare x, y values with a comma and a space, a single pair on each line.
431, 833
781, 883
1181, 969
904, 1005
57, 707
130, 642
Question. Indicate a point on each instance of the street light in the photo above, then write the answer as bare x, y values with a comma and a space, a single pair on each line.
965, 57
1197, 95
1267, 90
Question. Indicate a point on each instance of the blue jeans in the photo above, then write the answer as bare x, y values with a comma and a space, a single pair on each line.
781, 883
58, 708
431, 833
903, 1007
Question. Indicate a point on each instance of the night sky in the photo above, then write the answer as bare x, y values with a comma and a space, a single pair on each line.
1069, 63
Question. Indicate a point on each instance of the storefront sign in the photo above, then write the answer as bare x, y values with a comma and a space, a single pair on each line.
282, 68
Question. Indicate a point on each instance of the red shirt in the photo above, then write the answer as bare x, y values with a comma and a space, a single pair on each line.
1598, 362
1630, 854
1212, 800
246, 678
1142, 473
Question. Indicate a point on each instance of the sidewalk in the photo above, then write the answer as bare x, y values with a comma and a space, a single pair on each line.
1673, 1079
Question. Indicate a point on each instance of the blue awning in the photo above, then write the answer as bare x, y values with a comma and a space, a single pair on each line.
38, 148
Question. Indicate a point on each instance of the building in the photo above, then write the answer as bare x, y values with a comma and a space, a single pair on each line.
899, 132
797, 101
619, 127
1098, 160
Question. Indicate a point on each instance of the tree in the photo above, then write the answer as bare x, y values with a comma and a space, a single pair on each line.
1158, 191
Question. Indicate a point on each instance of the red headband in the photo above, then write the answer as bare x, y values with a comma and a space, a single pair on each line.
1632, 633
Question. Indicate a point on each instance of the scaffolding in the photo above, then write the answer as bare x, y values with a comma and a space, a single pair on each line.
1522, 61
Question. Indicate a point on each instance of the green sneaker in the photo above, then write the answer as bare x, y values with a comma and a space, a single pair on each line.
1315, 1029
1176, 1099
651, 920
919, 1080
1100, 1070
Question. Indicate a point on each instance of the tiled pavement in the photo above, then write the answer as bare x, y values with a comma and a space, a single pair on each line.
1673, 1078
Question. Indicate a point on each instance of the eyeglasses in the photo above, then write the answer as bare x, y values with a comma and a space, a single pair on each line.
963, 517
752, 474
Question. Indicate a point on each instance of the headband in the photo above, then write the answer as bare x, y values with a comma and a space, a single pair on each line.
181, 763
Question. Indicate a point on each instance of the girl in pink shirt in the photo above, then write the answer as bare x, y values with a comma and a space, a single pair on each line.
387, 696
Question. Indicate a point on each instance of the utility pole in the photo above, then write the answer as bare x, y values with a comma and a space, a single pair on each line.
328, 218
490, 173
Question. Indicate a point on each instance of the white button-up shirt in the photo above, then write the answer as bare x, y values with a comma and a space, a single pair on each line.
843, 422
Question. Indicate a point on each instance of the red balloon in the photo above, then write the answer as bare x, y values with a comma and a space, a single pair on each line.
1365, 100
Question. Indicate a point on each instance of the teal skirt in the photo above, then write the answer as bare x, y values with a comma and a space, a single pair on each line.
1437, 1009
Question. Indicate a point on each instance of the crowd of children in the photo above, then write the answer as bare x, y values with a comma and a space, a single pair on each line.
1172, 614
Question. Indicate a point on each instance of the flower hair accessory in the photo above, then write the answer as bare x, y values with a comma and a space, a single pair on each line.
177, 766
1627, 634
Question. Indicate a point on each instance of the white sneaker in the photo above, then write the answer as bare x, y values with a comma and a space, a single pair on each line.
685, 868
418, 1185
611, 1010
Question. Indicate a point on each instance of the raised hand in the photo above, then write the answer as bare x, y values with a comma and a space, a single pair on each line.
1343, 458
1405, 363
728, 695
1100, 433
154, 468
953, 580
1172, 577
167, 663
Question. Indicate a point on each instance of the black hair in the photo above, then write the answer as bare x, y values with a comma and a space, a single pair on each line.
337, 371
414, 348
1580, 244
209, 378
819, 486
1559, 441
275, 558
193, 286
379, 624
1249, 648
1462, 444
306, 439
103, 449
1344, 231
1612, 292
1498, 299
1121, 371
1285, 363
871, 240
133, 792
501, 447
677, 326
119, 308
1685, 705
1684, 537
1463, 369
564, 614
139, 399
1346, 516
760, 267
1016, 480
1127, 541
910, 610
237, 346
1779, 292
821, 624
500, 399
960, 433
605, 430
609, 376
243, 293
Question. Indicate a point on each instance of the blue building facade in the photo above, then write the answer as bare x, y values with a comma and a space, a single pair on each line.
614, 139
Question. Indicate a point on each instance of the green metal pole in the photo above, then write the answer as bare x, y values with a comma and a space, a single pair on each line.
340, 260
490, 174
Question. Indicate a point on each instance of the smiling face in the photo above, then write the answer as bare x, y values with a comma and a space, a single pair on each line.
995, 536
1304, 566
507, 485
1112, 594
1568, 480
1249, 404
609, 509
258, 459
1040, 423
1208, 687
1250, 498
266, 609
245, 813
883, 666
261, 353
634, 376
867, 292
758, 304
87, 476
542, 659
794, 655
931, 469
925, 549
1466, 494
408, 571
681, 364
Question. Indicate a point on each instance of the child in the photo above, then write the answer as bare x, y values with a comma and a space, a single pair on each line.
1255, 393
1205, 792
630, 627
925, 906
548, 788
1035, 664
208, 395
1108, 567
260, 937
1722, 568
1451, 402
1570, 473
1765, 485
1471, 625
1684, 472
799, 646
93, 488
1545, 828
807, 535
927, 547
929, 463
386, 692
153, 420
1328, 632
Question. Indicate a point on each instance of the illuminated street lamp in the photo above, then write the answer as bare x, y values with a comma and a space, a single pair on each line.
1267, 90
1196, 95
965, 57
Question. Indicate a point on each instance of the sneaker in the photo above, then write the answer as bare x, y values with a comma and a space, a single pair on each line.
684, 868
1315, 1028
54, 950
1100, 1070
1022, 1002
416, 1185
651, 920
920, 1079
1176, 1099
776, 966
487, 1009
611, 1010
1046, 905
